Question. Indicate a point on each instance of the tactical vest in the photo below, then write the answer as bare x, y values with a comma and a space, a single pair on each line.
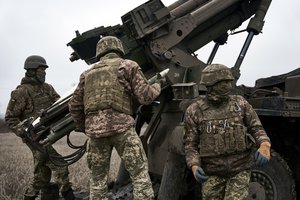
40, 99
102, 89
222, 132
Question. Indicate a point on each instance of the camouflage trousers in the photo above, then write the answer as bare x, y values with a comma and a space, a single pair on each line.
231, 188
44, 170
129, 148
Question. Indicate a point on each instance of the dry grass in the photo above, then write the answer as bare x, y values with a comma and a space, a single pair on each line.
16, 165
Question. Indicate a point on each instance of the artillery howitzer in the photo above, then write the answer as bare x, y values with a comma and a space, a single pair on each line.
53, 124
159, 37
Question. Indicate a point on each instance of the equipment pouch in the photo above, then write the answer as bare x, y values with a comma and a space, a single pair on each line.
240, 137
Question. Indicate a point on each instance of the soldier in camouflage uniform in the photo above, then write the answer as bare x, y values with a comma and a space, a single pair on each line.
101, 107
27, 100
224, 138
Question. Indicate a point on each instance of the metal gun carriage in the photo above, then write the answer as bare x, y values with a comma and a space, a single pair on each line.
160, 38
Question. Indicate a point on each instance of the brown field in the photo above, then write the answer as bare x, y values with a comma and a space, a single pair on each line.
16, 165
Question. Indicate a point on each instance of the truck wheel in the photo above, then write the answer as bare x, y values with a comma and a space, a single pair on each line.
273, 181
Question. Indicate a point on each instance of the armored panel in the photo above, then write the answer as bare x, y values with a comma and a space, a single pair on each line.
292, 85
146, 18
185, 91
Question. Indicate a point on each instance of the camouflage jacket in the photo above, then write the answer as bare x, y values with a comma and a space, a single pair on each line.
108, 122
27, 100
224, 164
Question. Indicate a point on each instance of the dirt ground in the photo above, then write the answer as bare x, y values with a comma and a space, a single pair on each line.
16, 165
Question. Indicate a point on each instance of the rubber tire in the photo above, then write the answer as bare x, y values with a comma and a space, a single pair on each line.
274, 181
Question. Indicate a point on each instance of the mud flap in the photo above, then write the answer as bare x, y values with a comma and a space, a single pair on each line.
177, 181
172, 184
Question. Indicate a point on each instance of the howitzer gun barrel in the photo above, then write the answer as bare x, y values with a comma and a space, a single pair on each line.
200, 10
176, 4
183, 7
210, 9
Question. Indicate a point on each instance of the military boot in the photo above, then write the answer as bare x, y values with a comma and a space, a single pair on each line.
51, 192
68, 195
29, 198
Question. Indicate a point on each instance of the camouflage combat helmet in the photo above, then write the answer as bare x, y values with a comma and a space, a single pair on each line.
34, 61
214, 73
107, 44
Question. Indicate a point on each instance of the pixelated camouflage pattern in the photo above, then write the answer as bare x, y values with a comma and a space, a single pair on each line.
108, 44
109, 122
214, 73
109, 128
228, 164
227, 188
103, 90
129, 147
44, 170
27, 101
223, 131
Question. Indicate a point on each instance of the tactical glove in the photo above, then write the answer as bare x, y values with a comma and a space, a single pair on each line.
199, 174
20, 129
262, 155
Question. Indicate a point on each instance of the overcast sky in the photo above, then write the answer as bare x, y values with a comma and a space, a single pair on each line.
45, 27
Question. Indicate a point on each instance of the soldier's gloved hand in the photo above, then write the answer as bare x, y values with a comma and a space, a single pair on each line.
20, 130
22, 126
199, 174
262, 155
